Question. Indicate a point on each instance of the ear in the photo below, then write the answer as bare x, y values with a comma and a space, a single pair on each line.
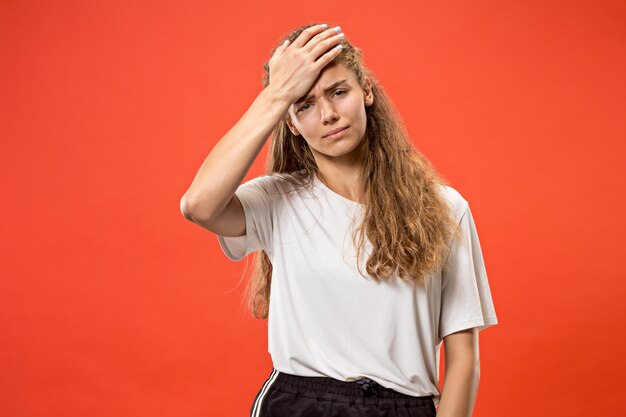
292, 127
368, 95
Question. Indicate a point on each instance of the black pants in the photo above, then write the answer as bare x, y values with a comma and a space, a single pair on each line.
286, 395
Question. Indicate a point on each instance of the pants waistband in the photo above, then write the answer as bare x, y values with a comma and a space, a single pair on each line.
365, 390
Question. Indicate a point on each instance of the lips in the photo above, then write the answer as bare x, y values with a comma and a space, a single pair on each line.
335, 131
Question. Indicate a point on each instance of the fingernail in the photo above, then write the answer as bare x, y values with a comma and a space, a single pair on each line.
337, 28
324, 25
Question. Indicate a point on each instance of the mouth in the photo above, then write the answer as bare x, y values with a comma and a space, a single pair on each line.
334, 132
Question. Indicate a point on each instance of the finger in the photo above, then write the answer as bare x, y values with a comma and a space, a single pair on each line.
280, 49
310, 46
307, 34
326, 45
328, 57
284, 45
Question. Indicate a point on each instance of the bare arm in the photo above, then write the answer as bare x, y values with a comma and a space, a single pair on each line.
228, 162
460, 385
293, 70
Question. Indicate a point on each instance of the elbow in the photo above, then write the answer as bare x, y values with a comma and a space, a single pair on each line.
476, 372
189, 209
473, 364
193, 212
186, 208
467, 363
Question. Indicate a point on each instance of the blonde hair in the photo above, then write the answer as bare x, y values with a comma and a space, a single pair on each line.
406, 218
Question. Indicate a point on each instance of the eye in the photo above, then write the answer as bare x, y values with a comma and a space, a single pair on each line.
303, 107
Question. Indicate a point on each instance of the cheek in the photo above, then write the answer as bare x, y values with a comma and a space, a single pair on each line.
356, 106
358, 114
304, 124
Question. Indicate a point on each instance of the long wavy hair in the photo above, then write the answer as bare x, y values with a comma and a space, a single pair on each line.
406, 217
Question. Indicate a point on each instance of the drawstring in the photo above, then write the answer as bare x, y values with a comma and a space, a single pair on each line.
370, 387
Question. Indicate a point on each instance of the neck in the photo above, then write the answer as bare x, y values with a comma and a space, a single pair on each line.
344, 180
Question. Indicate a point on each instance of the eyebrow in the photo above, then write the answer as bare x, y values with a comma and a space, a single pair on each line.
333, 85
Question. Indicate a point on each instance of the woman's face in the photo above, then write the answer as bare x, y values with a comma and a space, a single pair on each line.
336, 100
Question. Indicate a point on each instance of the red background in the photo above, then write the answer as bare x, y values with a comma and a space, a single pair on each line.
112, 304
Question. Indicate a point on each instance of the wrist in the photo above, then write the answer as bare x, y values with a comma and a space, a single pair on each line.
277, 97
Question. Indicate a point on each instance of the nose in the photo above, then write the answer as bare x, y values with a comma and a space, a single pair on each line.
328, 113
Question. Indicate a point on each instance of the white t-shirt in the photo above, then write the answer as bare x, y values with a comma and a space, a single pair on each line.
325, 319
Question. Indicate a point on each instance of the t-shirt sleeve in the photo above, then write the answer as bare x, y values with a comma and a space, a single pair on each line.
465, 294
257, 202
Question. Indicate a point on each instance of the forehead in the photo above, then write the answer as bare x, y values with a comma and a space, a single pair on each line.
333, 72
330, 74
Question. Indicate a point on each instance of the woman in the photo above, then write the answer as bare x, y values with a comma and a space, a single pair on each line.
355, 325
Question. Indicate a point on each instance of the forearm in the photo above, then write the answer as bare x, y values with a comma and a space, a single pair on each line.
230, 159
459, 390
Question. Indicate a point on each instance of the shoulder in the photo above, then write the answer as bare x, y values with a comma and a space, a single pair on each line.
457, 203
272, 184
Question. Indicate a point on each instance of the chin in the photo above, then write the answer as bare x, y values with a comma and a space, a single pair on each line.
337, 149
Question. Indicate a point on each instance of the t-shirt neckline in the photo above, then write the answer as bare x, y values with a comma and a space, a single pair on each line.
336, 196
